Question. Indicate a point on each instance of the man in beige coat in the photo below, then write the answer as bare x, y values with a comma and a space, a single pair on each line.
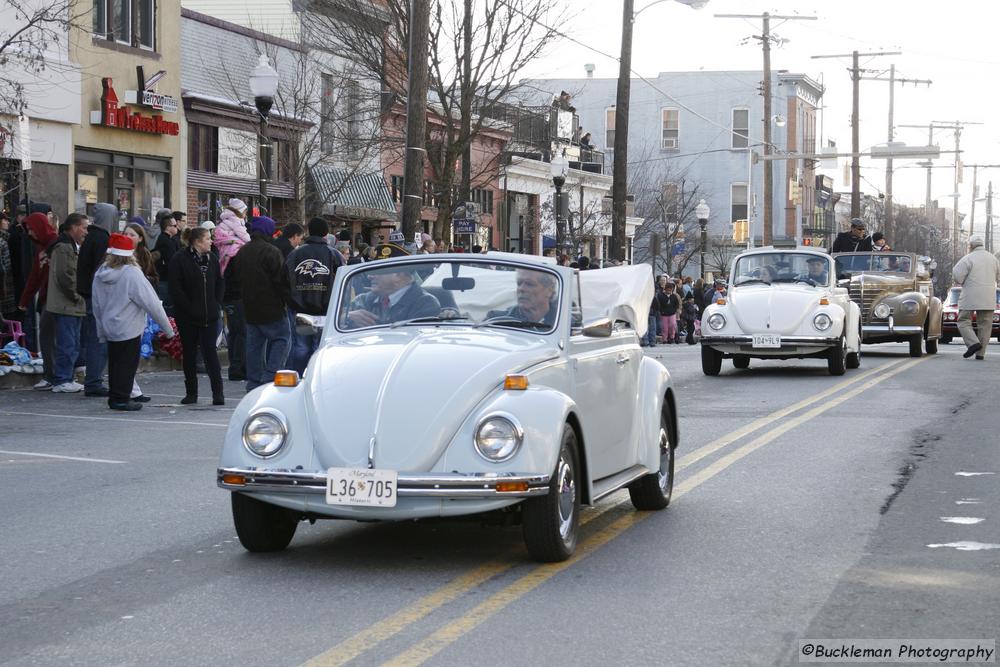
978, 274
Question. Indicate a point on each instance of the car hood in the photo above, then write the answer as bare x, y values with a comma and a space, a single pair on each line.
777, 308
409, 389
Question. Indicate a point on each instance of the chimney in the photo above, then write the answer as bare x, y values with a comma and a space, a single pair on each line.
589, 67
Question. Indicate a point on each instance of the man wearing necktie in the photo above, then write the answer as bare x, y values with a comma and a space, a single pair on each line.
394, 297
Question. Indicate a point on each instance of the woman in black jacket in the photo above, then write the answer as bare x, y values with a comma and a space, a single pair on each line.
196, 289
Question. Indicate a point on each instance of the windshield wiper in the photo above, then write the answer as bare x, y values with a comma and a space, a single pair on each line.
808, 281
512, 322
426, 318
750, 281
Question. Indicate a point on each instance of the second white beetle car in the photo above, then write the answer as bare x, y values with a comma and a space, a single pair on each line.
782, 304
454, 384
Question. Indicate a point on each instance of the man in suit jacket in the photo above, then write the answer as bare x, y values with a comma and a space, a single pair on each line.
394, 297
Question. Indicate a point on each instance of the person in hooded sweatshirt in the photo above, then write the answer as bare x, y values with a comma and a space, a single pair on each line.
92, 253
122, 296
42, 236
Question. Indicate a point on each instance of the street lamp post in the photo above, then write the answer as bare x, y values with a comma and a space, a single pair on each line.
702, 211
263, 87
559, 167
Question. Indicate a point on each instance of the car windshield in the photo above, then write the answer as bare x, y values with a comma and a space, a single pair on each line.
955, 292
782, 267
391, 293
881, 262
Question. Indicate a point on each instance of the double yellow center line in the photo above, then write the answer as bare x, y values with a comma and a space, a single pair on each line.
367, 639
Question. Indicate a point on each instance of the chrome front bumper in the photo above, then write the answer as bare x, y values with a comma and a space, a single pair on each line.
786, 341
440, 485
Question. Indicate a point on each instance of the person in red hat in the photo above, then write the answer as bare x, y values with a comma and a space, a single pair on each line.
122, 297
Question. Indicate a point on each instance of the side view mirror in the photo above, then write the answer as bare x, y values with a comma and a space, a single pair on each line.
599, 328
309, 325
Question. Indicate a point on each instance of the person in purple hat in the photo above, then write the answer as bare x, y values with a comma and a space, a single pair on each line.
259, 268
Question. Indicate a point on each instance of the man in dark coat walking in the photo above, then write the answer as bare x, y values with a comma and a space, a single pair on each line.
92, 254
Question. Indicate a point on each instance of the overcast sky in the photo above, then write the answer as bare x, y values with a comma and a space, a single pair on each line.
948, 43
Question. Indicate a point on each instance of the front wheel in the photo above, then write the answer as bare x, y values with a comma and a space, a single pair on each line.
931, 345
711, 360
917, 345
653, 491
853, 359
550, 522
262, 527
836, 360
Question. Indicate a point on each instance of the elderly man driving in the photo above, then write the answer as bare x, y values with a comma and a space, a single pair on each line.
394, 296
537, 298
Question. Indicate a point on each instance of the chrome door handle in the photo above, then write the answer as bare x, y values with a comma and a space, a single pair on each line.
622, 360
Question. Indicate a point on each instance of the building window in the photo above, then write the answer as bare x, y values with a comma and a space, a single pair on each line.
741, 128
609, 129
326, 129
483, 197
129, 22
203, 147
353, 120
669, 201
738, 194
396, 183
285, 160
671, 129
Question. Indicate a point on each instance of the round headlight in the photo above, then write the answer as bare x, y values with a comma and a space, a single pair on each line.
716, 321
909, 307
822, 322
264, 434
498, 438
882, 311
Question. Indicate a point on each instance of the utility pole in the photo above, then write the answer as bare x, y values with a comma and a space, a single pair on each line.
989, 216
855, 122
416, 116
956, 227
892, 80
467, 93
929, 165
765, 40
972, 207
619, 185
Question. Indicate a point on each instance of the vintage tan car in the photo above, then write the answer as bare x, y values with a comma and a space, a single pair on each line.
896, 298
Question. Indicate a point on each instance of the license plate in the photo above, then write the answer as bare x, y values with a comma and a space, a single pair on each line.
767, 340
361, 486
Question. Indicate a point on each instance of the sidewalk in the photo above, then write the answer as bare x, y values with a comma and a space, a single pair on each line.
158, 362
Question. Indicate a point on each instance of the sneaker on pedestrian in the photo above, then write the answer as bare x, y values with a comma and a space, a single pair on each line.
67, 388
125, 407
43, 385
975, 347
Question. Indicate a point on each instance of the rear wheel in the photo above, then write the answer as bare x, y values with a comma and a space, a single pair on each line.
652, 492
550, 522
741, 361
917, 345
711, 360
931, 345
261, 526
836, 360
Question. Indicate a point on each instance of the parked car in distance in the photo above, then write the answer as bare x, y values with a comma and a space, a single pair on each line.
781, 304
949, 317
896, 297
459, 384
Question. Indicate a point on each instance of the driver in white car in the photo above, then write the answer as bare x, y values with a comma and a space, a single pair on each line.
817, 270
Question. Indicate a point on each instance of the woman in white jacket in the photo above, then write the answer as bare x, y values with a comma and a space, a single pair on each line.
122, 297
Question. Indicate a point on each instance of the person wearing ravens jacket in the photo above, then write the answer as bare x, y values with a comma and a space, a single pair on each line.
92, 255
196, 288
310, 269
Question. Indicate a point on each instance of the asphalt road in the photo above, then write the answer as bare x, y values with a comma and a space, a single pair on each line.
806, 507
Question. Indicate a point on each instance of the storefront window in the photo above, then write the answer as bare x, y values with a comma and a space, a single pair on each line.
93, 185
136, 185
150, 193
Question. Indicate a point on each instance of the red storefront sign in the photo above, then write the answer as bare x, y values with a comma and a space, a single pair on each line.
112, 115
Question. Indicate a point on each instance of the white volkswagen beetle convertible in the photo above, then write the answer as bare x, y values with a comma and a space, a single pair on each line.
782, 304
453, 384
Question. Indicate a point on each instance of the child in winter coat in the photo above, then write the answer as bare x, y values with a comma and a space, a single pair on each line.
690, 319
231, 232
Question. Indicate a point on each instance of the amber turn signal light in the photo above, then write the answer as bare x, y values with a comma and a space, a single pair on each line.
824, 302
235, 480
286, 379
511, 487
720, 302
515, 382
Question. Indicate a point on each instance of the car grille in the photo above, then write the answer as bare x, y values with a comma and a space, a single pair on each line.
865, 298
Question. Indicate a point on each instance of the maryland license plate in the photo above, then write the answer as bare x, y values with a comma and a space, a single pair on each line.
766, 340
361, 486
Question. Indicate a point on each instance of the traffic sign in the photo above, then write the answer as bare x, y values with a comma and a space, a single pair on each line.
464, 225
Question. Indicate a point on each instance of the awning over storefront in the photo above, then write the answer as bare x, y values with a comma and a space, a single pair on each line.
353, 195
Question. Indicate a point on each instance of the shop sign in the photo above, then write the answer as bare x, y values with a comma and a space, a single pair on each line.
237, 153
152, 99
112, 115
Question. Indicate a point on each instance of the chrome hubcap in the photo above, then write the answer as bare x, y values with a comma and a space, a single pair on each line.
567, 496
666, 453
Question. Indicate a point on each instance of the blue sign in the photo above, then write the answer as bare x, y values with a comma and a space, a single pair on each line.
678, 248
464, 226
